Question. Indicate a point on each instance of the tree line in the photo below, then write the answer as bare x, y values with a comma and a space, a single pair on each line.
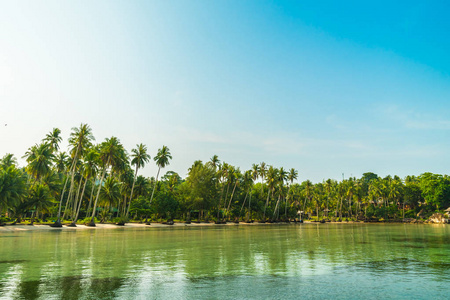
100, 182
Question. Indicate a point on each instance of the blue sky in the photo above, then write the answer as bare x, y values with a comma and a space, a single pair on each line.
324, 87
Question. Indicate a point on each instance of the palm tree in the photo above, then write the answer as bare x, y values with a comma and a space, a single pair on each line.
308, 193
80, 139
282, 177
293, 175
271, 183
88, 170
13, 187
110, 150
328, 185
214, 161
39, 158
41, 199
110, 193
8, 160
53, 138
162, 160
262, 174
140, 158
236, 175
350, 192
91, 163
247, 183
61, 162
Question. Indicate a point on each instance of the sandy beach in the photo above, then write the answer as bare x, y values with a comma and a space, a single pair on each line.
12, 228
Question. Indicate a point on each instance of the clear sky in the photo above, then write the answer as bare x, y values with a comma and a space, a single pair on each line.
325, 87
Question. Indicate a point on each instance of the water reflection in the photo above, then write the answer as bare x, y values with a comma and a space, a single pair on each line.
269, 261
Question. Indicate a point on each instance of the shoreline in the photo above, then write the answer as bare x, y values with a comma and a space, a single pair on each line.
44, 227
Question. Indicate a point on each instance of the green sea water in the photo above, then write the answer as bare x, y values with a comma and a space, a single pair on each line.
292, 261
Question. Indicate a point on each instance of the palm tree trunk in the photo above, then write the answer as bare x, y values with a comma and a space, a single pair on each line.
249, 209
90, 198
156, 183
98, 193
80, 201
304, 205
403, 210
276, 206
243, 204
220, 202
58, 221
75, 206
265, 206
72, 178
262, 184
231, 198
132, 189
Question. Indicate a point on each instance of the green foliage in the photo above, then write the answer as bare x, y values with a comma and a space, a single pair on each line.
435, 190
166, 205
13, 188
214, 189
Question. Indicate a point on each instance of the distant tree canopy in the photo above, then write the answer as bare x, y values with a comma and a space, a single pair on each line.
102, 180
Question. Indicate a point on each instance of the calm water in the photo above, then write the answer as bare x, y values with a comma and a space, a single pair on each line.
345, 261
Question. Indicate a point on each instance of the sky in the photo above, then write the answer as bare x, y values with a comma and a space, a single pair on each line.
330, 88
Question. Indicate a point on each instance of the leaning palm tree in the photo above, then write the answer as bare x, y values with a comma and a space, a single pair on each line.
80, 139
162, 160
237, 176
140, 158
89, 169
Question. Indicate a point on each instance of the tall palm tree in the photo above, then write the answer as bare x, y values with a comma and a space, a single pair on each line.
308, 193
222, 176
110, 150
350, 192
162, 160
262, 174
80, 140
91, 164
255, 171
89, 169
247, 182
293, 175
140, 158
271, 179
237, 176
328, 186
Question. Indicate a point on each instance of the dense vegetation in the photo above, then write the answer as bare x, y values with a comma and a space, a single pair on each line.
100, 182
